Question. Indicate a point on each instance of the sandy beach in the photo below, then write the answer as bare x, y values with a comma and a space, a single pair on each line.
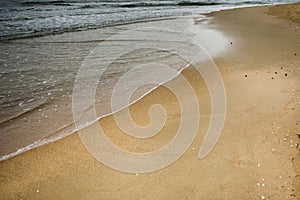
256, 157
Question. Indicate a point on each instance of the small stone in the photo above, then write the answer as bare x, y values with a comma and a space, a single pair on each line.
295, 54
263, 185
37, 190
258, 184
230, 42
258, 165
263, 197
285, 74
136, 174
275, 72
272, 78
246, 75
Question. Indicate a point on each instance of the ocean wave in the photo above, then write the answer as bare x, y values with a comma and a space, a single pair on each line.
161, 4
46, 3
195, 3
250, 3
53, 31
31, 18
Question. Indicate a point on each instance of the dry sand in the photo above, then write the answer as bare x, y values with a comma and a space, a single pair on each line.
289, 11
256, 155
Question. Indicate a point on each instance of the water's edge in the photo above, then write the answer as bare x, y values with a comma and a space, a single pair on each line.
56, 137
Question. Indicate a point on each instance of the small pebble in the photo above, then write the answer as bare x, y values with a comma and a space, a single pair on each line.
275, 72
285, 74
263, 197
230, 42
37, 190
246, 75
272, 78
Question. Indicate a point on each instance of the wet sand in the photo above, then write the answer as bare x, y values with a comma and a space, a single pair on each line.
256, 157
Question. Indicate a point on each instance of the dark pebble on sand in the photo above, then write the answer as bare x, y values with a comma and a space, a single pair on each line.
285, 74
275, 72
230, 42
295, 54
272, 78
246, 75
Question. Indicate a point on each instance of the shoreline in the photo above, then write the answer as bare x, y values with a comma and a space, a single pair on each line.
80, 161
43, 141
43, 34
